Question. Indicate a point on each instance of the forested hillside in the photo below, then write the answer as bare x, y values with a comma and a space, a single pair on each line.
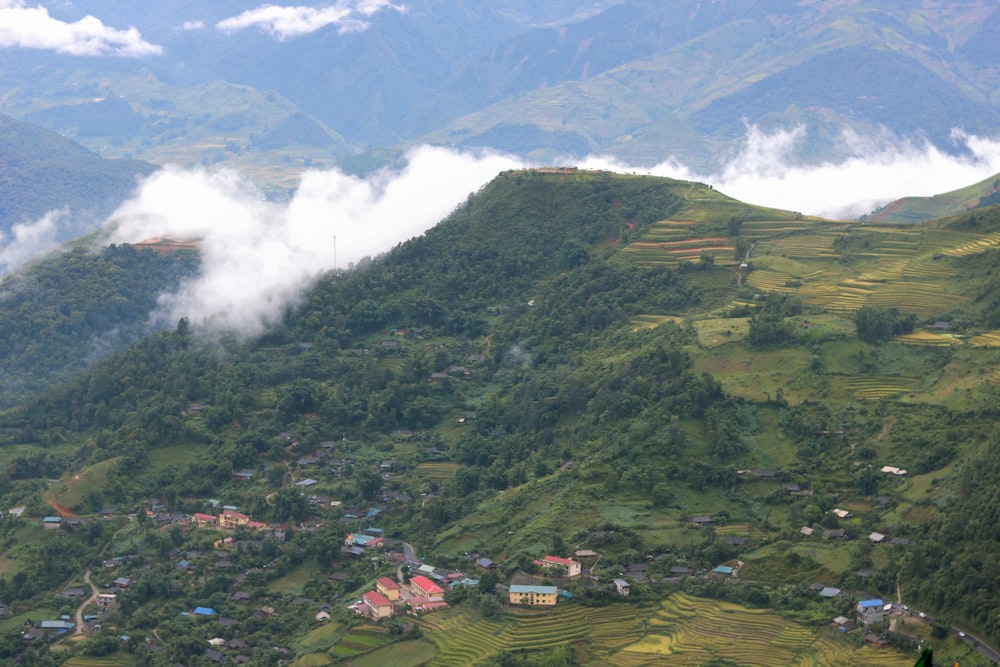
571, 362
41, 171
63, 313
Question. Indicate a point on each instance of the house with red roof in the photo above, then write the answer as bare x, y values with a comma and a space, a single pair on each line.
379, 606
205, 520
231, 519
570, 567
424, 587
388, 588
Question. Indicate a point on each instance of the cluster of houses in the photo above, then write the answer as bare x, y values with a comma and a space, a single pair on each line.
388, 598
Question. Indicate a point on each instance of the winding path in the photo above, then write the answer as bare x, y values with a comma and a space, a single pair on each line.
83, 605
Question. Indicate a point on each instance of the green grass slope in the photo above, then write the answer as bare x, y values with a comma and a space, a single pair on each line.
922, 209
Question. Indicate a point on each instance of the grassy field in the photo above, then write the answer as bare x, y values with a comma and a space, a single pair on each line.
400, 654
119, 659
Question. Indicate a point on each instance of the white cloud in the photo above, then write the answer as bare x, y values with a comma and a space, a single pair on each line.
288, 21
879, 170
28, 241
32, 28
258, 257
193, 25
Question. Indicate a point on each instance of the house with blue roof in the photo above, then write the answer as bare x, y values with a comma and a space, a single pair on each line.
871, 611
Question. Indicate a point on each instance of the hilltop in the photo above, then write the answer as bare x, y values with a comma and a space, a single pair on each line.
923, 209
41, 171
572, 361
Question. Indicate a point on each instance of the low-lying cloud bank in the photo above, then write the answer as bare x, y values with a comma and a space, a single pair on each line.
29, 240
259, 257
880, 170
33, 28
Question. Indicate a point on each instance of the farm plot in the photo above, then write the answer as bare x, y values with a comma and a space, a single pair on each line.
929, 338
360, 640
436, 472
649, 253
940, 241
975, 246
774, 227
817, 245
875, 386
652, 321
988, 339
669, 230
771, 281
889, 268
848, 298
691, 631
924, 299
119, 659
461, 640
928, 266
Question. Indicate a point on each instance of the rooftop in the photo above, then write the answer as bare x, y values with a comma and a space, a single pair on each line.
538, 590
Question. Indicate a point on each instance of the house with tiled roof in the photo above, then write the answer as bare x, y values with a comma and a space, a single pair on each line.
388, 588
379, 606
424, 587
572, 568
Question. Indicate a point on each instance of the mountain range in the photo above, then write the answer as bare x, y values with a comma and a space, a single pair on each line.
638, 80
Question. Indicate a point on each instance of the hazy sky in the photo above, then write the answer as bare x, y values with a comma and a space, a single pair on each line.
30, 26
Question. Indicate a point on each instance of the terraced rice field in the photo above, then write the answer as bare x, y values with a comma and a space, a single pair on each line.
462, 641
889, 268
875, 386
817, 245
691, 631
756, 228
117, 660
924, 299
649, 254
929, 338
925, 266
360, 640
988, 339
436, 472
652, 321
770, 281
975, 246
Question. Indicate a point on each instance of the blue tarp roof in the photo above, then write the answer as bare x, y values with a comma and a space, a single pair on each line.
204, 611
